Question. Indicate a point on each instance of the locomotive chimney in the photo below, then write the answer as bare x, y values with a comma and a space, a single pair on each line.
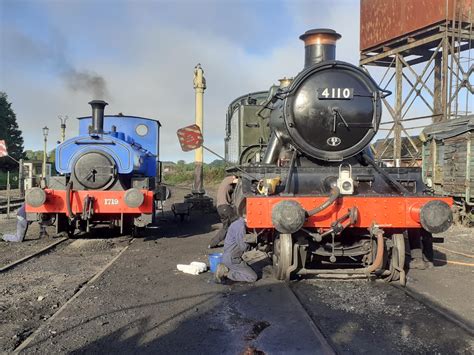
98, 116
319, 45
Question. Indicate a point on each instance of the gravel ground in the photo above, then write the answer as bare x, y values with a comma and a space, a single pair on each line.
142, 304
363, 317
33, 291
10, 252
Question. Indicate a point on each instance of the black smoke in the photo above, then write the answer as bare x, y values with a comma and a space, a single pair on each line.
22, 49
86, 81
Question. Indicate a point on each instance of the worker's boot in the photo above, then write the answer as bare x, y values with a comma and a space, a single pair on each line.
43, 232
221, 273
417, 261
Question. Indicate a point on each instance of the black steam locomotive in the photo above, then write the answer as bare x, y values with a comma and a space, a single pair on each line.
309, 187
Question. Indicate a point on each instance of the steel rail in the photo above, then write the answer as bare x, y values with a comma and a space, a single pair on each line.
327, 347
30, 256
437, 308
25, 343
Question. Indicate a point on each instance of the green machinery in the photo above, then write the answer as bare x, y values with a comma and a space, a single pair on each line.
247, 126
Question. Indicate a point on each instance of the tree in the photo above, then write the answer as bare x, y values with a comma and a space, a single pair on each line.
38, 155
9, 132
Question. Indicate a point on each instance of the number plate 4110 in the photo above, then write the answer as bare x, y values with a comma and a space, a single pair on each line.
335, 93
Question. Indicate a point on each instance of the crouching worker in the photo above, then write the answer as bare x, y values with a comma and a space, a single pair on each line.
21, 227
224, 208
233, 267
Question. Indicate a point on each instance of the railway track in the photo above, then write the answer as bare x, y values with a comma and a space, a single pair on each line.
327, 337
32, 255
14, 204
353, 321
327, 347
78, 291
449, 316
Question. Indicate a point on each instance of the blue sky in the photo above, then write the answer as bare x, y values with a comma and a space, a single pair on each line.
145, 52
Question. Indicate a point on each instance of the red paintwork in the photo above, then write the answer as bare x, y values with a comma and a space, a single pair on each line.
56, 202
190, 137
387, 212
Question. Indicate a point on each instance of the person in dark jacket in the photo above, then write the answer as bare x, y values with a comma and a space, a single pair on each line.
224, 208
233, 267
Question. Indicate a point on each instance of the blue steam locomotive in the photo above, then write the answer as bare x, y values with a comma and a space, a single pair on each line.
110, 174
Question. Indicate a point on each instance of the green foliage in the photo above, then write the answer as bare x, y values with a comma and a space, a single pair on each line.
183, 173
38, 155
218, 163
9, 132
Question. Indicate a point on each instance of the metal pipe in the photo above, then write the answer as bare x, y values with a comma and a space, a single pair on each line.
291, 169
402, 189
199, 87
71, 214
413, 119
332, 198
377, 264
45, 155
361, 271
294, 265
320, 45
98, 116
21, 178
273, 149
8, 194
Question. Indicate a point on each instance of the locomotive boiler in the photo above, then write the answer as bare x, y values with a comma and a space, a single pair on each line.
311, 190
109, 174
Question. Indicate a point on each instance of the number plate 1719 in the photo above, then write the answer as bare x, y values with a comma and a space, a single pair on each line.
335, 93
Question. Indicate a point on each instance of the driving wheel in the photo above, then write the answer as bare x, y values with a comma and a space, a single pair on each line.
282, 255
397, 262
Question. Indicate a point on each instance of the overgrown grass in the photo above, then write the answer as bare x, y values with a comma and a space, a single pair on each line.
182, 174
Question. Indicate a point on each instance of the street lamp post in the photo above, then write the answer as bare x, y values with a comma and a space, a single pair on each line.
45, 152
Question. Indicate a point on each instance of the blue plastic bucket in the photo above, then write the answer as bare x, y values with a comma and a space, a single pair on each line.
214, 260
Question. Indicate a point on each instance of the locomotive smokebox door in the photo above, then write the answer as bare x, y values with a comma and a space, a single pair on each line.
339, 102
95, 170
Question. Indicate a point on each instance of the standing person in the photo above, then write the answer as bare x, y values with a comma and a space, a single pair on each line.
233, 267
421, 250
21, 227
224, 209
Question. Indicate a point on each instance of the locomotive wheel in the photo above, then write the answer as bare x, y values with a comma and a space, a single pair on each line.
397, 262
282, 255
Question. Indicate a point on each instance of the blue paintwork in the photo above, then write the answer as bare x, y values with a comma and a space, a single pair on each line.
132, 153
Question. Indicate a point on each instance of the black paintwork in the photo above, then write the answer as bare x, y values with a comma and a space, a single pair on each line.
311, 121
